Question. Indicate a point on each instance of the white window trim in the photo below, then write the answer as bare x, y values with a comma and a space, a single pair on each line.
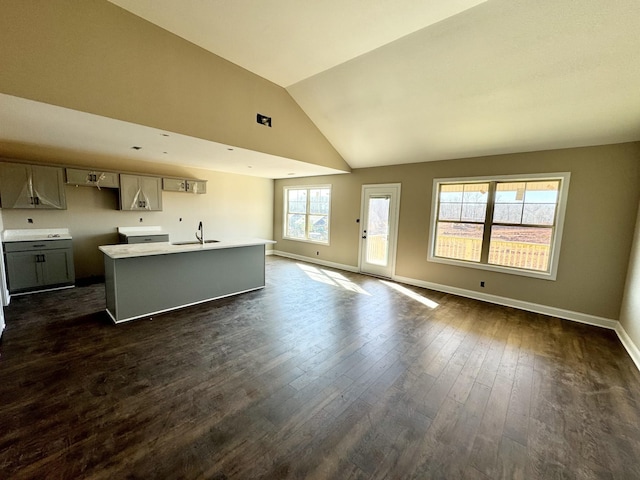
552, 273
285, 206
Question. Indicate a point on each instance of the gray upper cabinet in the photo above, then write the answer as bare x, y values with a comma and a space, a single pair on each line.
184, 185
93, 178
32, 186
197, 186
174, 184
140, 193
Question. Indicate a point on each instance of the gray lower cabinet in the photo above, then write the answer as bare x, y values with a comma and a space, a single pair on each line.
140, 193
39, 265
32, 186
149, 284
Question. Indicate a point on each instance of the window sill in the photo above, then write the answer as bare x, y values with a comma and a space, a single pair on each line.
304, 240
495, 268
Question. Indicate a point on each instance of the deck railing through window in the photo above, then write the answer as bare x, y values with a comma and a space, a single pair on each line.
533, 256
377, 249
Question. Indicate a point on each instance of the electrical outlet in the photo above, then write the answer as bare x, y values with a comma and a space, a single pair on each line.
482, 284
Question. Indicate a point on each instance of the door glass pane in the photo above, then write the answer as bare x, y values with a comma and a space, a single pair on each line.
378, 230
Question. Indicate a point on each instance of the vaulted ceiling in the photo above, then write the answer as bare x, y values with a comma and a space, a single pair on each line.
385, 82
411, 81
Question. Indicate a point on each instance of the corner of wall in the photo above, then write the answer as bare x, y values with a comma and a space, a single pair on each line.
629, 331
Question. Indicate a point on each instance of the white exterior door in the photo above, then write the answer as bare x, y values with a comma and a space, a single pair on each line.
379, 229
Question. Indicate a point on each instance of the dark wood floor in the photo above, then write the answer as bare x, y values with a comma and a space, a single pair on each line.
323, 374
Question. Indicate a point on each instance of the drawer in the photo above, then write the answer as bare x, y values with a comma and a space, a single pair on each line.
39, 245
147, 238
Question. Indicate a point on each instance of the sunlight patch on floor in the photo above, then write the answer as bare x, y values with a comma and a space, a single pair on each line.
331, 278
411, 294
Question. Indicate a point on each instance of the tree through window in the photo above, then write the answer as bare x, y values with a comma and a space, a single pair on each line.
307, 213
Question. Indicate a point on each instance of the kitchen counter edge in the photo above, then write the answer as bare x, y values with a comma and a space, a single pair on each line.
167, 248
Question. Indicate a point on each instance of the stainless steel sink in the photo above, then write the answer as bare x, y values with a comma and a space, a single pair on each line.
194, 242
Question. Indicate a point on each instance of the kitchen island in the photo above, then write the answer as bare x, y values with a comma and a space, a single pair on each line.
150, 278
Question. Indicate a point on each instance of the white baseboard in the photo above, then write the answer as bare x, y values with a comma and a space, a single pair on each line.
318, 261
609, 323
510, 302
632, 349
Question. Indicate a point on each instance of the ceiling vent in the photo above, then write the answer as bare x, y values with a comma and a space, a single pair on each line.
263, 120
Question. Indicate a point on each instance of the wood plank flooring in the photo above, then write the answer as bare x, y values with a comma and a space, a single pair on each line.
322, 375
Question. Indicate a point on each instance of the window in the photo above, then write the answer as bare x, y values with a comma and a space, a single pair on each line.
509, 224
307, 213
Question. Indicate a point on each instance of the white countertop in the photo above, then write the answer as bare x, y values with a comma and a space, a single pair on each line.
35, 234
164, 248
141, 231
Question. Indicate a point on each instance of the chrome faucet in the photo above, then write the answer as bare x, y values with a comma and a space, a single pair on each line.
201, 236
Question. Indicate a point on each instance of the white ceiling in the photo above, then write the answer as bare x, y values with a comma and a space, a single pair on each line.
286, 41
506, 76
390, 82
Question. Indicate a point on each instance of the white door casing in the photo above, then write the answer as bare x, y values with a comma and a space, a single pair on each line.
379, 214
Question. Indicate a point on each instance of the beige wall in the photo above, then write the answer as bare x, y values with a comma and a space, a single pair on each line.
234, 206
95, 57
600, 218
630, 311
